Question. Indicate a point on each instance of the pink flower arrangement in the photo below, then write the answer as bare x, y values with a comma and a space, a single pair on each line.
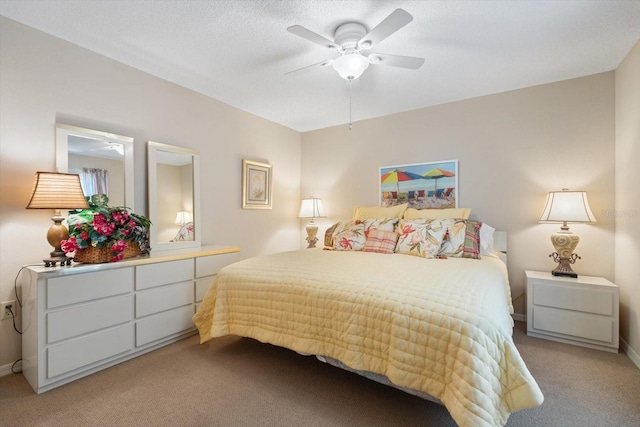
101, 226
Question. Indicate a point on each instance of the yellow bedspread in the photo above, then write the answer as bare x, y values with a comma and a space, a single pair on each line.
441, 326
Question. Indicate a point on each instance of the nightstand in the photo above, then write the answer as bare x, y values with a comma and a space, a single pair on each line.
582, 311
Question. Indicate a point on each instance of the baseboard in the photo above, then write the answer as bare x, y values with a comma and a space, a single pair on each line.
6, 369
519, 317
631, 354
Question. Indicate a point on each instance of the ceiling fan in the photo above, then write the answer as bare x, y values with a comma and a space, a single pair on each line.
352, 39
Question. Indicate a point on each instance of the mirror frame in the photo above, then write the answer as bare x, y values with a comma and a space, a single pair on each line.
152, 150
63, 132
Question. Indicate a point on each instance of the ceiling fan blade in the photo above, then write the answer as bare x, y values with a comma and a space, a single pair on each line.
411, 62
312, 37
392, 23
311, 67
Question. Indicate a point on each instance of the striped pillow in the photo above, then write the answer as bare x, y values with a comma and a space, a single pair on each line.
383, 242
472, 240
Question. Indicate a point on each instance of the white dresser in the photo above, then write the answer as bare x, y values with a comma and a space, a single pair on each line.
582, 311
82, 318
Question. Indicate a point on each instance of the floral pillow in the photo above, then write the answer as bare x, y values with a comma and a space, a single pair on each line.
380, 241
453, 240
349, 236
420, 237
328, 235
384, 224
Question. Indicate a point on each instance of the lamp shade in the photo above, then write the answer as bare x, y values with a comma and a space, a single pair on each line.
183, 217
311, 208
53, 190
567, 206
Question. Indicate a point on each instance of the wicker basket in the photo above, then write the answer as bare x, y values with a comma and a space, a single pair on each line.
93, 255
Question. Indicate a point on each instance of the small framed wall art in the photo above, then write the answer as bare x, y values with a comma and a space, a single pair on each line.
256, 185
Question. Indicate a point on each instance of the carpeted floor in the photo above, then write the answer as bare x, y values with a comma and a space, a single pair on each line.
240, 382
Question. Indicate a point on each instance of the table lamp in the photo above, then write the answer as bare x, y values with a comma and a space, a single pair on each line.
183, 217
311, 208
564, 207
52, 190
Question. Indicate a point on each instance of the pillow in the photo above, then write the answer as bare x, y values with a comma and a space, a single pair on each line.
420, 237
437, 213
349, 236
328, 235
383, 242
472, 240
372, 212
486, 240
384, 224
453, 240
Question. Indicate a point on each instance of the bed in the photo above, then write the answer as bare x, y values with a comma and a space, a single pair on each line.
440, 328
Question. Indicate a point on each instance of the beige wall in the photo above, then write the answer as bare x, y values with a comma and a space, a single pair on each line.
627, 211
44, 80
512, 149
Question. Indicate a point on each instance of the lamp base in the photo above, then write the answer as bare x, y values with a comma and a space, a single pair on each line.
564, 265
312, 232
55, 235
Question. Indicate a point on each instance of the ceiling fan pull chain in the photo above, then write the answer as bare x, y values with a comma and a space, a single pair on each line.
350, 122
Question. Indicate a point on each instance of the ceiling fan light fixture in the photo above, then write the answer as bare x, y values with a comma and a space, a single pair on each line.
350, 66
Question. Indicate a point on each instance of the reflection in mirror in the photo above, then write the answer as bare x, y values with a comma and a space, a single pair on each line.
103, 160
174, 180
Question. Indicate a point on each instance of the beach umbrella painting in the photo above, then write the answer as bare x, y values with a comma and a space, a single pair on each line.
397, 175
435, 174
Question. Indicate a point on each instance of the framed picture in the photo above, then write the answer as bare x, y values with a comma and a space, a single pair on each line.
431, 185
256, 185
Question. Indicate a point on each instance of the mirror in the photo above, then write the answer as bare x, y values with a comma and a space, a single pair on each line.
174, 196
103, 160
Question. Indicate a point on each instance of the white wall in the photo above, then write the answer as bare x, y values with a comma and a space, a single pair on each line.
512, 149
627, 211
44, 80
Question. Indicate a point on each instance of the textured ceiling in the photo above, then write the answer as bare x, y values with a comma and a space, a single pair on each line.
238, 51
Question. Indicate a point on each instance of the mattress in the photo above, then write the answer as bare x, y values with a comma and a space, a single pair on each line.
438, 326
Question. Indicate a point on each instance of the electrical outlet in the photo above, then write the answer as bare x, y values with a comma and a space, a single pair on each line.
4, 309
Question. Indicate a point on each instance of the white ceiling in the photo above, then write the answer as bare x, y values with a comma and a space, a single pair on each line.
238, 51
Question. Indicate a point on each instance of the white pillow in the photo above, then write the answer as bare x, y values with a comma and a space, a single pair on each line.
486, 239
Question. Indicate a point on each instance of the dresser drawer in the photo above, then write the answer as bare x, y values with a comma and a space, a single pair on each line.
574, 298
76, 288
66, 357
574, 324
165, 324
89, 317
151, 275
210, 265
164, 298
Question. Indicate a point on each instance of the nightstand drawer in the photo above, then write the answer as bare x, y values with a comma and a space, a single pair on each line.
573, 323
571, 297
